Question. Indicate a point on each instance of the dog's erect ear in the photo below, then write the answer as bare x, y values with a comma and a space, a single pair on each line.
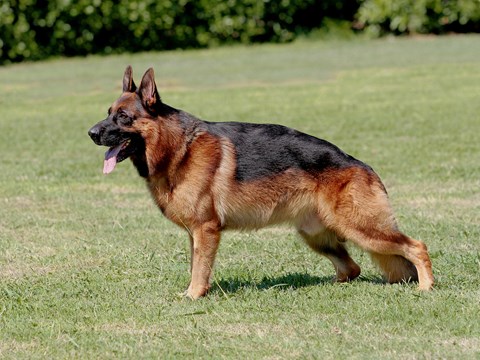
148, 91
128, 84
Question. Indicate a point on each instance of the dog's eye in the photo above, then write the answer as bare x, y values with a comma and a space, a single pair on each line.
123, 119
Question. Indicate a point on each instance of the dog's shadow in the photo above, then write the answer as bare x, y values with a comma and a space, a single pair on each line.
287, 281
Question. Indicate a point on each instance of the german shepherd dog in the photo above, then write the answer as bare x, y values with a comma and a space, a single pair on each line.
207, 177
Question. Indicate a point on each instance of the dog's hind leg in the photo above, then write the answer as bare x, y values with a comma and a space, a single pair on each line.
395, 268
400, 257
361, 212
326, 243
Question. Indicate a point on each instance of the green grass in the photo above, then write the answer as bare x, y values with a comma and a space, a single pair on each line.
90, 269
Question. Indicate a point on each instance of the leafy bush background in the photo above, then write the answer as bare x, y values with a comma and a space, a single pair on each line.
36, 29
379, 17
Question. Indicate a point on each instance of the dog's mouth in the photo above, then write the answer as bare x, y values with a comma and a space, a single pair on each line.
117, 154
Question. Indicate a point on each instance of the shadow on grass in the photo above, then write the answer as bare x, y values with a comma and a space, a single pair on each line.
288, 281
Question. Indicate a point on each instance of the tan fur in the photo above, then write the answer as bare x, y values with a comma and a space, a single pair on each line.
359, 210
191, 175
395, 268
198, 191
326, 242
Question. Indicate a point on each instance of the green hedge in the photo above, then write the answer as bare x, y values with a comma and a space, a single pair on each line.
379, 17
35, 29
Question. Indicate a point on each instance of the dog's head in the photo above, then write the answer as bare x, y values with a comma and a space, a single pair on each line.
129, 119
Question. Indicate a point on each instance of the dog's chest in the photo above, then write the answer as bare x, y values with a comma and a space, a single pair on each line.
185, 205
166, 199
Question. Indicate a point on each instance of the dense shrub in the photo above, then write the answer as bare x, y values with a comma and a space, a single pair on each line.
35, 29
419, 16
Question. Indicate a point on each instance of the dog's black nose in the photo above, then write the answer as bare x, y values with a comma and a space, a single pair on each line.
95, 133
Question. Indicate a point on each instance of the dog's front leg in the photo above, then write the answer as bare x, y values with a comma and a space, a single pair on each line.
206, 239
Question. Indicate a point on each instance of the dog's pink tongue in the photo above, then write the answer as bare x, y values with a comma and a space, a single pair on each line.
111, 159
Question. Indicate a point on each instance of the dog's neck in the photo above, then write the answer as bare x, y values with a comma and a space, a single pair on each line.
165, 144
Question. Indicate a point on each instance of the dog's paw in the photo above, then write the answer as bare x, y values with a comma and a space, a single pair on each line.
182, 294
193, 293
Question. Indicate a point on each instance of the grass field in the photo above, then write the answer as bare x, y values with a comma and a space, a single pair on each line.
90, 269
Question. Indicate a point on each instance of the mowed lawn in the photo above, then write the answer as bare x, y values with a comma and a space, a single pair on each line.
90, 269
